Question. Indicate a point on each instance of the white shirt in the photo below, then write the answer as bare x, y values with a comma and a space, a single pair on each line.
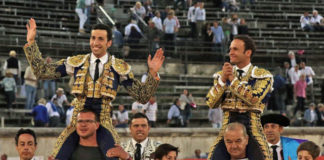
69, 114
138, 107
122, 116
50, 111
312, 115
169, 25
89, 2
143, 144
191, 14
128, 28
308, 71
60, 100
29, 74
157, 22
316, 19
151, 110
200, 14
304, 21
92, 67
294, 76
278, 149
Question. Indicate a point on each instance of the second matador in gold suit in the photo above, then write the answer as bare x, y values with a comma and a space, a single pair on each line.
241, 91
93, 91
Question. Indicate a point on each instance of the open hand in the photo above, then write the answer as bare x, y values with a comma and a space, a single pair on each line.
31, 30
156, 62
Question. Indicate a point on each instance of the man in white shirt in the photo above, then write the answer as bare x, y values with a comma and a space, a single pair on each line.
54, 116
137, 107
309, 73
170, 28
150, 109
157, 20
131, 24
192, 19
122, 117
200, 15
316, 20
305, 22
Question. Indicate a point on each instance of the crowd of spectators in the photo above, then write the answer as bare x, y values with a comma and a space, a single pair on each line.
314, 22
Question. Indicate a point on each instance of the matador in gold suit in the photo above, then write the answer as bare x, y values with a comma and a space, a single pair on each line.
94, 94
242, 100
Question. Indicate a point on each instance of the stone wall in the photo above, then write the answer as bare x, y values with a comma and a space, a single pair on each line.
187, 139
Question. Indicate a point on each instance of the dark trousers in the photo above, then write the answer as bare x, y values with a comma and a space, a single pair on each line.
10, 98
300, 104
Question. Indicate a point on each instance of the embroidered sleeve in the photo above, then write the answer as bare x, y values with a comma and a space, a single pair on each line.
141, 92
252, 95
214, 96
39, 67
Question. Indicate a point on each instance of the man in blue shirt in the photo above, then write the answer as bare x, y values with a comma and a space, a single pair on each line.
218, 36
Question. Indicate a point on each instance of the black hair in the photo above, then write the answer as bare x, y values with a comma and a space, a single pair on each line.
25, 131
175, 101
163, 150
138, 115
311, 147
103, 27
86, 110
248, 43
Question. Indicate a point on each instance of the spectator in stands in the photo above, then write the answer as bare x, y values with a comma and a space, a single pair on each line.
316, 20
30, 88
40, 114
170, 28
140, 146
305, 22
26, 143
157, 21
282, 147
12, 64
200, 16
294, 61
230, 5
166, 152
227, 90
109, 75
308, 151
10, 88
133, 39
276, 101
149, 11
310, 115
199, 155
164, 14
294, 74
244, 2
215, 116
121, 117
49, 85
4, 156
236, 140
139, 10
150, 109
243, 28
219, 37
320, 114
54, 115
300, 93
176, 3
191, 17
86, 128
137, 107
80, 9
187, 103
118, 39
289, 87
227, 31
208, 37
309, 73
61, 98
234, 22
128, 28
153, 35
89, 8
174, 115
69, 112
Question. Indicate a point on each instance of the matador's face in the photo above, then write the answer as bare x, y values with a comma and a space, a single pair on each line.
99, 42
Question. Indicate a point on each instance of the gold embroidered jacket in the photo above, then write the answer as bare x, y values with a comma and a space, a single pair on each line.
248, 94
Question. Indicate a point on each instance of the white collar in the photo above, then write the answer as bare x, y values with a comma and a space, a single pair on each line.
245, 69
143, 143
278, 144
103, 59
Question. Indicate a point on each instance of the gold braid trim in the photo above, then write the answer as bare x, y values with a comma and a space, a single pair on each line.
78, 60
41, 69
221, 133
120, 66
257, 132
213, 97
142, 92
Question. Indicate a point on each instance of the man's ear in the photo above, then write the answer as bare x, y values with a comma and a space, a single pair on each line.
248, 53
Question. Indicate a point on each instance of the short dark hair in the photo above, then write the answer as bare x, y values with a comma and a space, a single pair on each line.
103, 27
311, 147
248, 43
25, 131
86, 110
163, 150
175, 101
138, 115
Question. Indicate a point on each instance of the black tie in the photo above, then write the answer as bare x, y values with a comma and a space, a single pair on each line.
240, 74
138, 151
274, 152
96, 76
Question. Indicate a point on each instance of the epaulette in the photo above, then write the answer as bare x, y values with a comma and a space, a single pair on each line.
120, 66
217, 74
77, 60
260, 73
